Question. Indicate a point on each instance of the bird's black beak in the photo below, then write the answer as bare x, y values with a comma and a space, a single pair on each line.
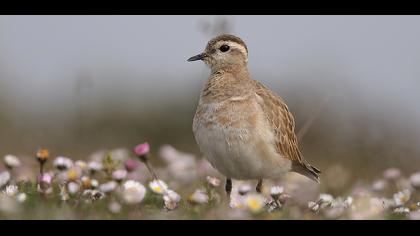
200, 56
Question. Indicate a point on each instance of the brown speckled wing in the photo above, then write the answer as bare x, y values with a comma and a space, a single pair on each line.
281, 121
283, 125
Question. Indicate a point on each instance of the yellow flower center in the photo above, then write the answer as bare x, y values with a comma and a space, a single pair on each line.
254, 204
157, 189
72, 174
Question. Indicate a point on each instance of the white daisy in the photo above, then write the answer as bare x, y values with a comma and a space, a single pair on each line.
21, 197
379, 185
313, 206
4, 178
415, 180
401, 210
254, 202
199, 197
94, 183
244, 188
114, 207
108, 186
73, 187
94, 166
171, 200
158, 186
133, 192
213, 181
402, 197
275, 191
62, 163
392, 173
11, 190
11, 161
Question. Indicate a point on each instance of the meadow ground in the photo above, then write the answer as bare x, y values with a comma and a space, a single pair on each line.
116, 184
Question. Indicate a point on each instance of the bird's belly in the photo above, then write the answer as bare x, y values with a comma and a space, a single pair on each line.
240, 149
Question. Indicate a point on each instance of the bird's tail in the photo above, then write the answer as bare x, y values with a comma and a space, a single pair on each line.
306, 170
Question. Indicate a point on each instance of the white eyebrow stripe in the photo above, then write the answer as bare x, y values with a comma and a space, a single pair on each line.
240, 47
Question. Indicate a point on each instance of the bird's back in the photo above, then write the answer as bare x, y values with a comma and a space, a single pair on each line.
283, 125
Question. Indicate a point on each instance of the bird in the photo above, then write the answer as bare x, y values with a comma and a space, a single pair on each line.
245, 130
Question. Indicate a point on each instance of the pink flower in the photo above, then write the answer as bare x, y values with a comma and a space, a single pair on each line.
131, 165
45, 178
142, 149
119, 175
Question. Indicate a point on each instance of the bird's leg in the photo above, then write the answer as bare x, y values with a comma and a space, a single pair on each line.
228, 187
259, 186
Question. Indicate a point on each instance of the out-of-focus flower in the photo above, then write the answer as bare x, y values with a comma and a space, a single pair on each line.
392, 173
414, 215
158, 186
365, 208
44, 183
142, 149
73, 187
62, 163
114, 207
171, 200
182, 166
21, 197
415, 180
348, 201
325, 197
11, 190
119, 175
254, 202
313, 206
236, 202
42, 155
244, 188
402, 197
82, 165
94, 183
131, 164
275, 191
86, 182
4, 178
93, 194
73, 173
401, 210
94, 166
45, 178
204, 168
325, 200
379, 185
199, 197
11, 161
133, 192
334, 213
213, 181
108, 186
384, 202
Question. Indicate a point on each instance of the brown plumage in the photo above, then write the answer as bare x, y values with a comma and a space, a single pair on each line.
245, 130
283, 125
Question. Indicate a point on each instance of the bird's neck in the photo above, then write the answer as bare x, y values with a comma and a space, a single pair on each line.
224, 84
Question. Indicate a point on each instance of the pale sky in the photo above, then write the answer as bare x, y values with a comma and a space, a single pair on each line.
377, 57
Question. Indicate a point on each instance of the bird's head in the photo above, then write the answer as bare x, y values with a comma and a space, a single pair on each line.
224, 52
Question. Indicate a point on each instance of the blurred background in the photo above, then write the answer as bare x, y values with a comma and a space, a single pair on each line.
76, 84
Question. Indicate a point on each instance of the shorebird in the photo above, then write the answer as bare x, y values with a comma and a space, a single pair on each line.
244, 129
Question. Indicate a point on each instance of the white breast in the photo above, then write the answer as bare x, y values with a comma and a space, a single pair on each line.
240, 149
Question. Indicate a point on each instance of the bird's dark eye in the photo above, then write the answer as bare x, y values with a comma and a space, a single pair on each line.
224, 48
